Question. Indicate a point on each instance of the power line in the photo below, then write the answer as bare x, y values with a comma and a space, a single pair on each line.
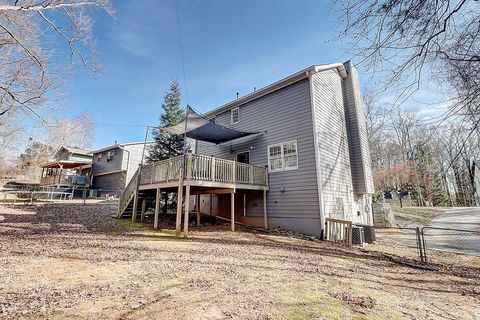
180, 43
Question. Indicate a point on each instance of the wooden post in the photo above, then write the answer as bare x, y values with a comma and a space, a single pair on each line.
213, 168
198, 210
245, 204
178, 224
265, 209
169, 165
142, 214
135, 205
152, 173
189, 165
211, 204
232, 210
251, 174
187, 211
234, 171
157, 209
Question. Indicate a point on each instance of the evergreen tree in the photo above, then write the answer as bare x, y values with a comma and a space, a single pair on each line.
168, 145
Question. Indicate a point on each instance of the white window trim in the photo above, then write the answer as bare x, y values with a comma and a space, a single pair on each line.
231, 115
283, 157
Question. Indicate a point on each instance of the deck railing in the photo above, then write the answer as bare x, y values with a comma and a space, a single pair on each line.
338, 231
64, 179
198, 167
127, 193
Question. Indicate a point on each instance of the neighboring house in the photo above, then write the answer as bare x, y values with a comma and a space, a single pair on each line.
70, 168
113, 166
310, 156
476, 180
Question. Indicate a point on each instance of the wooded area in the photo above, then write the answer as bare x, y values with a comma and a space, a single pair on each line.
413, 49
41, 46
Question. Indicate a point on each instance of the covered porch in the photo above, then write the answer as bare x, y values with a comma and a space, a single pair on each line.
66, 173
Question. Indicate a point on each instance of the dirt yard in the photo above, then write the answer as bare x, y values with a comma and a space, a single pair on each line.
72, 261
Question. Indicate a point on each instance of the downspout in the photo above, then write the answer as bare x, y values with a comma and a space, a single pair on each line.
128, 158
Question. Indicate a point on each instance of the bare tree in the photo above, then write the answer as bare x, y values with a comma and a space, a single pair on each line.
405, 39
75, 132
32, 57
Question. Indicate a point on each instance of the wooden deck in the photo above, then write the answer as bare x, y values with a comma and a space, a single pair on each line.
190, 175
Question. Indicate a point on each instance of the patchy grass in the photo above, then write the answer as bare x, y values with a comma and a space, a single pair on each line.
417, 215
57, 265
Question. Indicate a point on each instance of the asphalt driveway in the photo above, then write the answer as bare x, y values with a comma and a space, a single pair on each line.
455, 230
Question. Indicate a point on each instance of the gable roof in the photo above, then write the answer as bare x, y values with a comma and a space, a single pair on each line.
76, 151
298, 76
120, 145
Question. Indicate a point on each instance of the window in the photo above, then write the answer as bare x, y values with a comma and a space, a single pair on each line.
243, 157
99, 157
110, 155
283, 156
235, 115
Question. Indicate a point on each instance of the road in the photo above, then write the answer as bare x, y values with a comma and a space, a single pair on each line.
438, 237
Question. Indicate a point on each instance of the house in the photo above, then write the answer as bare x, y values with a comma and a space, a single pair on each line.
291, 154
70, 168
114, 166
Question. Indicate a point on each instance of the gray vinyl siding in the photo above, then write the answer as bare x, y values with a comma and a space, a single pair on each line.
109, 183
357, 131
102, 166
281, 116
333, 149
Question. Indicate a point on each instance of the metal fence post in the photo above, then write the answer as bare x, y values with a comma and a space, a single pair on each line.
420, 245
422, 234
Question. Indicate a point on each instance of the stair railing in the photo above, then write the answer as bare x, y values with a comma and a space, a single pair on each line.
127, 194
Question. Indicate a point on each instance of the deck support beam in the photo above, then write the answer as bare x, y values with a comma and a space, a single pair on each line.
232, 210
211, 204
142, 213
135, 205
178, 225
157, 208
187, 211
198, 210
245, 204
265, 222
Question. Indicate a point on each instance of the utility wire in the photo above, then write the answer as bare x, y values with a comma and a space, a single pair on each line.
180, 43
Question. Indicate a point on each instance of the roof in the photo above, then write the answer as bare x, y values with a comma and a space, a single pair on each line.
77, 151
298, 76
67, 164
120, 145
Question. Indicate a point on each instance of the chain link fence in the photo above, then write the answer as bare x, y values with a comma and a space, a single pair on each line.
429, 244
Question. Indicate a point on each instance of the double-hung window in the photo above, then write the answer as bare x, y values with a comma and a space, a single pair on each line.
235, 115
283, 156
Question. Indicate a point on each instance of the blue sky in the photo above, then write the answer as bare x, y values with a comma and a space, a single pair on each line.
228, 46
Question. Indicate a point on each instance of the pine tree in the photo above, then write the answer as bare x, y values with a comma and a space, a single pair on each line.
168, 145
